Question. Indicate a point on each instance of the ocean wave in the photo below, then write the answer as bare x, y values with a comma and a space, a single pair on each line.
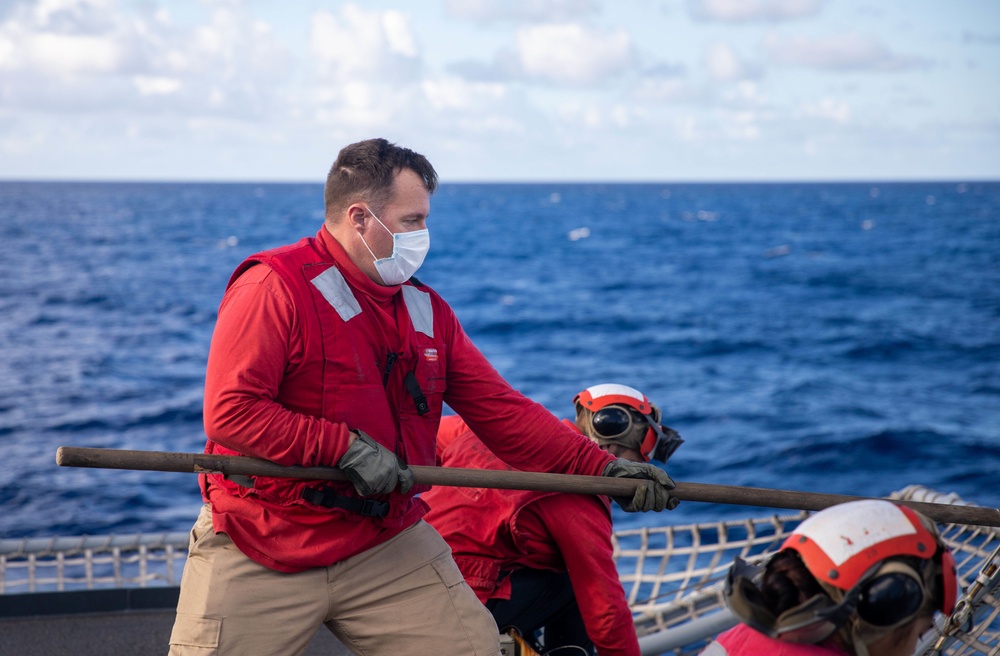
859, 360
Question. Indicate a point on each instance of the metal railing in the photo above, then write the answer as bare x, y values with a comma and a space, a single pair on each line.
91, 562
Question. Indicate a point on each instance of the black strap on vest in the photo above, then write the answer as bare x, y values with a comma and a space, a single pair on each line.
413, 387
390, 359
326, 497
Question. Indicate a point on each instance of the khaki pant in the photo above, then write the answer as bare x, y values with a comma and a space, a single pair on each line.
405, 596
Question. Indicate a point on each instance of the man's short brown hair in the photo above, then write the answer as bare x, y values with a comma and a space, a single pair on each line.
365, 171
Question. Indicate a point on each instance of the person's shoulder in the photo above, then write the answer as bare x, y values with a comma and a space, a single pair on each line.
450, 429
420, 285
569, 423
259, 273
304, 243
257, 282
452, 426
714, 649
742, 639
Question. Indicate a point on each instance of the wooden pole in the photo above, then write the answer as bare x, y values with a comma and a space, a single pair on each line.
200, 463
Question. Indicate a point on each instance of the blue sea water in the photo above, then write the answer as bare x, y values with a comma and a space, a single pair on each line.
838, 338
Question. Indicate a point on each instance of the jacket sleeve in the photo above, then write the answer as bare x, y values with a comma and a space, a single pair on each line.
581, 528
255, 340
522, 433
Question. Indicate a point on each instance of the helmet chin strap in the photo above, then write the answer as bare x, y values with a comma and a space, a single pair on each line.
860, 648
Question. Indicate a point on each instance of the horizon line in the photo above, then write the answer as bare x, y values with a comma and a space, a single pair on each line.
735, 181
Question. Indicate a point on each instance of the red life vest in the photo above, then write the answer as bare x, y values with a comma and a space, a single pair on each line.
342, 379
741, 640
326, 373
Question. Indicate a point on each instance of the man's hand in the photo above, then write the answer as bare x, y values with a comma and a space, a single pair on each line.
373, 468
652, 494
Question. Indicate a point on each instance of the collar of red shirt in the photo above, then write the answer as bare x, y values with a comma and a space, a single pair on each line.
329, 245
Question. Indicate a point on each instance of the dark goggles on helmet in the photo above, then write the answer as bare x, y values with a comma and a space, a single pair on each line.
888, 595
613, 422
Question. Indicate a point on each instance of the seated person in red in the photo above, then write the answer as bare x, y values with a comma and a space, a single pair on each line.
544, 559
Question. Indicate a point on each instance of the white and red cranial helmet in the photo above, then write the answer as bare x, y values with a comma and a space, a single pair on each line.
619, 414
600, 396
879, 565
842, 543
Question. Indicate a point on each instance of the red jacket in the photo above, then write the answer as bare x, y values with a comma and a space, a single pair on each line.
298, 358
493, 532
741, 640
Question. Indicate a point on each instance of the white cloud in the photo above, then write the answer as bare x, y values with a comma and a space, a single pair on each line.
504, 67
69, 54
573, 54
745, 95
457, 94
358, 44
57, 14
8, 52
357, 104
842, 52
90, 56
156, 85
581, 114
831, 109
362, 92
663, 90
742, 126
546, 11
718, 127
464, 110
398, 34
688, 128
63, 38
367, 73
490, 84
724, 65
746, 11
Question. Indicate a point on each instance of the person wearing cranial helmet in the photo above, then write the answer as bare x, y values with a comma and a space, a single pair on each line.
624, 422
863, 578
545, 559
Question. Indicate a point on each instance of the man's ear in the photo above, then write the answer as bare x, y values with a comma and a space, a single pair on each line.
356, 216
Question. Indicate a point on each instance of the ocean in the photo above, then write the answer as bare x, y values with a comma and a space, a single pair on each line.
840, 338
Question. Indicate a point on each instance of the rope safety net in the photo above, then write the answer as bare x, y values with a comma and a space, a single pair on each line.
672, 575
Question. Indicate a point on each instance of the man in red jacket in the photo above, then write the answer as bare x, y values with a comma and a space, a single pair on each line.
328, 352
544, 559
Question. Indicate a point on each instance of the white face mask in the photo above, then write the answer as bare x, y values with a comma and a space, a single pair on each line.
408, 252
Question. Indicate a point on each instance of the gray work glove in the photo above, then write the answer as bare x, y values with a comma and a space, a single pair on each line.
373, 468
652, 494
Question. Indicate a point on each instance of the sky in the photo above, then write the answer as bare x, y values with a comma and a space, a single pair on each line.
508, 90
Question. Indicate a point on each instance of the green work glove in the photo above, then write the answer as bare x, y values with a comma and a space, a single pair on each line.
652, 494
373, 468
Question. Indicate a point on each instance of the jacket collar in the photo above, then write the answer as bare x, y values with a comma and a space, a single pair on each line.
328, 245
